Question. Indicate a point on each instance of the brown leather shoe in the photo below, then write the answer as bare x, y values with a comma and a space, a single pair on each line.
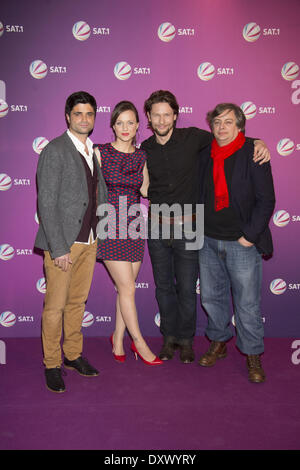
256, 372
217, 350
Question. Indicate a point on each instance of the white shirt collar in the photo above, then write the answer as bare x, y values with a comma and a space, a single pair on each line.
79, 144
81, 148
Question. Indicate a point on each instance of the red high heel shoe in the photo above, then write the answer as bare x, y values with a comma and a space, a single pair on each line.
120, 358
156, 361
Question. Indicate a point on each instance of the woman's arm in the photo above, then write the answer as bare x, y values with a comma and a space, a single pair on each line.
145, 184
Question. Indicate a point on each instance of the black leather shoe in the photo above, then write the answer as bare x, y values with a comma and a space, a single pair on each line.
54, 380
187, 354
82, 366
168, 350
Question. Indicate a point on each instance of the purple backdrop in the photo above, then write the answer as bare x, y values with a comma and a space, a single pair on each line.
204, 52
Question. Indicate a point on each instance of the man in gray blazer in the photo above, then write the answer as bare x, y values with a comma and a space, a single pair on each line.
70, 187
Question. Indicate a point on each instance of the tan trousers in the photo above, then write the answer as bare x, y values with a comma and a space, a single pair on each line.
64, 304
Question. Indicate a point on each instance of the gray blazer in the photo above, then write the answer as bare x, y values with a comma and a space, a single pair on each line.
62, 195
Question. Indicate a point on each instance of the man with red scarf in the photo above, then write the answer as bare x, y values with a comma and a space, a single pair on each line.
239, 200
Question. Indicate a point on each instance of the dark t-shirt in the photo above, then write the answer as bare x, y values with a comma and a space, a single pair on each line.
223, 224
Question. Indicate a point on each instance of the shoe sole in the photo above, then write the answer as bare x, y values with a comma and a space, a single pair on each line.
187, 361
166, 358
55, 391
169, 357
83, 375
259, 381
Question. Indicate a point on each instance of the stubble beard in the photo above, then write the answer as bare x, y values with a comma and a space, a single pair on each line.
164, 133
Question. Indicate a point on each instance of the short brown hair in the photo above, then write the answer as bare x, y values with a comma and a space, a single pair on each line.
220, 108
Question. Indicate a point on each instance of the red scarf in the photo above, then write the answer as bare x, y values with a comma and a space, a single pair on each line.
218, 154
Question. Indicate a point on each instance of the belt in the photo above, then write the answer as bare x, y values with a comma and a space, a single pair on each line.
180, 220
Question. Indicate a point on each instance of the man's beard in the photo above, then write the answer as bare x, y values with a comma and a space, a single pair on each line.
164, 133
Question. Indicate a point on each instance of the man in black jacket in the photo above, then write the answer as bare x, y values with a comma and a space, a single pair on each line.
173, 162
239, 200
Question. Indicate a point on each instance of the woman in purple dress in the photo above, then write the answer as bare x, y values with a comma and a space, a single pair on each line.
125, 172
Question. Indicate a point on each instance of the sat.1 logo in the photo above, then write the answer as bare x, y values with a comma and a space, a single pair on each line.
38, 69
206, 71
285, 147
3, 108
81, 31
7, 319
5, 182
122, 70
7, 252
251, 32
278, 286
166, 32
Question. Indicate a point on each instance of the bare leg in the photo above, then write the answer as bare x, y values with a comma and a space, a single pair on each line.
124, 274
119, 332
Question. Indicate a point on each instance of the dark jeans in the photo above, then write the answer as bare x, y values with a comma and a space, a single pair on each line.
175, 271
